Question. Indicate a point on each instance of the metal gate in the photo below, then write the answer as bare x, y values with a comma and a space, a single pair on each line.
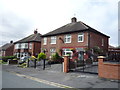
89, 65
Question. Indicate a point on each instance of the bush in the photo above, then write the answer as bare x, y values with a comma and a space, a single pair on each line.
5, 58
56, 59
41, 56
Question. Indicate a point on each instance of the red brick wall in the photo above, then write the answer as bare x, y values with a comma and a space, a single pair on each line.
9, 51
108, 70
96, 40
59, 44
36, 48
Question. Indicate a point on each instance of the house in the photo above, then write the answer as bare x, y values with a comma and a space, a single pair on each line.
73, 36
7, 49
30, 45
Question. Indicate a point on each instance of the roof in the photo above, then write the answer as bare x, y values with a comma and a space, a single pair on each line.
110, 46
31, 38
6, 46
73, 27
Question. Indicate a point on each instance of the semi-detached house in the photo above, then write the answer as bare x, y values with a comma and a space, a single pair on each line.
75, 35
30, 45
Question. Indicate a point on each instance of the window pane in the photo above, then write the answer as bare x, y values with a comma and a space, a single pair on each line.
68, 38
80, 37
53, 40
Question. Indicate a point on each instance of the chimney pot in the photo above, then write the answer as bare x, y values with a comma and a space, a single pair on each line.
35, 31
11, 41
73, 20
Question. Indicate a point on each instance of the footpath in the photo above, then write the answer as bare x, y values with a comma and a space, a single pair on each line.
68, 80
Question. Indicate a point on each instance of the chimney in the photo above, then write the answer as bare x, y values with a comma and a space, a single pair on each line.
35, 31
11, 41
73, 20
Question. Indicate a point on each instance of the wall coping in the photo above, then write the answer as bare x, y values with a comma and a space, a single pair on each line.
101, 57
111, 64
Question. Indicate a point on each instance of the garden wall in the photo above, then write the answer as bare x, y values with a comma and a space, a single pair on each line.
108, 70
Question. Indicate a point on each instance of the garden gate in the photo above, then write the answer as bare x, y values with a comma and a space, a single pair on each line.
89, 65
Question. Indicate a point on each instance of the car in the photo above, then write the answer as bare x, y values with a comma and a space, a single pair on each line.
23, 59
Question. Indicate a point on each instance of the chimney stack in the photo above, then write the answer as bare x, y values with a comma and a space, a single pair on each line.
73, 20
35, 31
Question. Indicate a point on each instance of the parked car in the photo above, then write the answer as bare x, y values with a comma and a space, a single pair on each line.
23, 59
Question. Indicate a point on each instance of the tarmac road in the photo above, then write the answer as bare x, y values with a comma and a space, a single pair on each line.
11, 80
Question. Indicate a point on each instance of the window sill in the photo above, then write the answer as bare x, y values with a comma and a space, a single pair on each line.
52, 43
67, 42
80, 41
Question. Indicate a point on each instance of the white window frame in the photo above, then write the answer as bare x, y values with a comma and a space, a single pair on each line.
81, 35
53, 40
45, 41
67, 38
30, 45
52, 51
102, 42
24, 45
68, 51
18, 46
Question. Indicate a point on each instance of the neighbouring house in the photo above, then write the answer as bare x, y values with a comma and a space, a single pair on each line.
75, 36
7, 49
30, 45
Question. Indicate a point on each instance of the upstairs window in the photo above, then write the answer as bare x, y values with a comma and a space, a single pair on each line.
68, 38
45, 41
102, 42
24, 45
17, 46
81, 37
53, 40
30, 45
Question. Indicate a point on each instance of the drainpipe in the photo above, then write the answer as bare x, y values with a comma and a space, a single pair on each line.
88, 42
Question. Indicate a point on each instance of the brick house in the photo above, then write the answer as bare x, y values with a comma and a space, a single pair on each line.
7, 49
74, 35
28, 45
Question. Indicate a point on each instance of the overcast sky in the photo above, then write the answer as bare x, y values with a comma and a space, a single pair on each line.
19, 18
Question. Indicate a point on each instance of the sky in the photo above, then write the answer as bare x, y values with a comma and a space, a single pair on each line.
19, 18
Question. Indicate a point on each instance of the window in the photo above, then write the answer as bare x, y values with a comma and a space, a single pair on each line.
52, 51
53, 40
30, 45
68, 52
45, 41
17, 46
24, 45
80, 37
102, 42
68, 38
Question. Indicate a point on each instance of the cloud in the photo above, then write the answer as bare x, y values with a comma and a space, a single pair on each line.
12, 27
21, 17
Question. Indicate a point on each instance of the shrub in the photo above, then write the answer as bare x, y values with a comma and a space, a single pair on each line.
5, 58
41, 56
56, 58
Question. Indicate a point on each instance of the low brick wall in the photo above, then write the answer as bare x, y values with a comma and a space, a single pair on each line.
108, 70
13, 62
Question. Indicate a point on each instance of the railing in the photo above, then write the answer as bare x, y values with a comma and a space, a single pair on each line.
113, 56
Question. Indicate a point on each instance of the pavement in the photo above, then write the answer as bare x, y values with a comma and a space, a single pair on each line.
55, 75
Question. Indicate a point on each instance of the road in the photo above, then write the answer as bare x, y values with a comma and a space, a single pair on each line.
10, 80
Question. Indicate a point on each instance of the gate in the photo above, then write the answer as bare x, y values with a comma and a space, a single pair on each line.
89, 65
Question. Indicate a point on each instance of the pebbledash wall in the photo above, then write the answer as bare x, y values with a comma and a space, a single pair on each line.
108, 70
95, 40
